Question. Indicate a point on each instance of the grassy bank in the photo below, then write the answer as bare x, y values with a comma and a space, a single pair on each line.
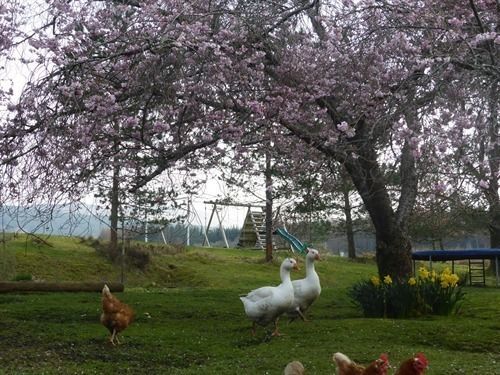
190, 321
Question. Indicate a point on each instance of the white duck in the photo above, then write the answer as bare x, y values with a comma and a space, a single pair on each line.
306, 290
265, 305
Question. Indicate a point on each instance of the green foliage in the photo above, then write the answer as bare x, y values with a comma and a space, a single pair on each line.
429, 293
442, 294
369, 297
23, 277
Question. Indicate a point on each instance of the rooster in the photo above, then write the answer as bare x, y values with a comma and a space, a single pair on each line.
116, 316
294, 368
413, 366
346, 366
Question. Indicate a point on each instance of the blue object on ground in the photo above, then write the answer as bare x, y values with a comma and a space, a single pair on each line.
444, 255
439, 255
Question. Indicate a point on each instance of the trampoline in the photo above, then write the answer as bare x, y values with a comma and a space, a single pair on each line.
470, 254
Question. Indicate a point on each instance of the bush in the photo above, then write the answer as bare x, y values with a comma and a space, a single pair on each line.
138, 257
23, 277
135, 255
428, 293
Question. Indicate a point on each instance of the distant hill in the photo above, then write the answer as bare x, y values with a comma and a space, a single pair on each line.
84, 222
60, 220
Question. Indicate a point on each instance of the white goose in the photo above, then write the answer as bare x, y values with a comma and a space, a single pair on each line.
265, 305
306, 290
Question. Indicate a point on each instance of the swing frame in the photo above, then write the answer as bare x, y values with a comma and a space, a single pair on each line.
215, 211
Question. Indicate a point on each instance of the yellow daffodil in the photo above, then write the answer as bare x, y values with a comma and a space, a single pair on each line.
449, 279
454, 279
375, 280
423, 273
434, 275
387, 280
412, 281
446, 271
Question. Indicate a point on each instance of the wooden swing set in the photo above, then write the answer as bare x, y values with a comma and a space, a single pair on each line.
253, 232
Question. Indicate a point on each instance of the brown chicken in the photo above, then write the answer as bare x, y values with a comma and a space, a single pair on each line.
294, 368
346, 366
417, 365
116, 316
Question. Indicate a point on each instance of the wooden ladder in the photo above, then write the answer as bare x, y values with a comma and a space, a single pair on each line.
477, 273
259, 225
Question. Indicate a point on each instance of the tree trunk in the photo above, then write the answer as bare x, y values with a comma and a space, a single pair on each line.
269, 209
115, 202
349, 230
494, 163
358, 155
393, 253
393, 250
494, 226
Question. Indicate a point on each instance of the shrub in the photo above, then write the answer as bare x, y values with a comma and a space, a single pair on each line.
23, 277
138, 257
135, 255
370, 297
428, 293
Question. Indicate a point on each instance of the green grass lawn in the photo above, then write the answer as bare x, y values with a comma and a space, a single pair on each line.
190, 320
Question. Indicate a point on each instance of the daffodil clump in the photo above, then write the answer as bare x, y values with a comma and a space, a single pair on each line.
428, 292
441, 292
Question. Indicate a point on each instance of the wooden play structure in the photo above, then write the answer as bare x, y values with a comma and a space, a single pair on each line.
253, 232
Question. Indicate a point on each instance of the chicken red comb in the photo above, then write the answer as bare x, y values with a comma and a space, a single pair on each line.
421, 361
384, 357
383, 363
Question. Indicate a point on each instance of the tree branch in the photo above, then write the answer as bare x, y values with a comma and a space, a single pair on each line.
164, 161
287, 15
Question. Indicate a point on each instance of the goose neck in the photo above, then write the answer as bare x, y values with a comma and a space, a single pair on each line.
309, 266
284, 274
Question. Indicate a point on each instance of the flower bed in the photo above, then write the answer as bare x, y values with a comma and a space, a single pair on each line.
428, 293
